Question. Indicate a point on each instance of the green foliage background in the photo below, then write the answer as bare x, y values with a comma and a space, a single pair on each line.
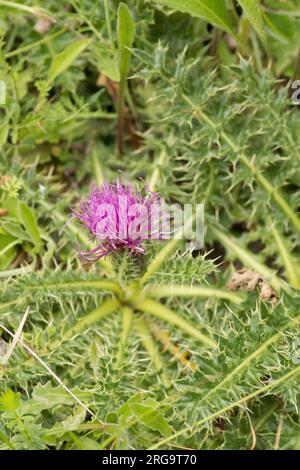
209, 119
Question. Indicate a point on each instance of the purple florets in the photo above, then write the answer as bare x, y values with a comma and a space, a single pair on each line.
119, 217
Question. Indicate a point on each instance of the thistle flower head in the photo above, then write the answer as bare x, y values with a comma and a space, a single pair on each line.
118, 217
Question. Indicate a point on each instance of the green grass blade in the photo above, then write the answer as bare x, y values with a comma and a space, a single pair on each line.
27, 9
97, 168
34, 44
126, 32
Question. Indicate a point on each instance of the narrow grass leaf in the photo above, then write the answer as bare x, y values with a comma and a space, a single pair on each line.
64, 59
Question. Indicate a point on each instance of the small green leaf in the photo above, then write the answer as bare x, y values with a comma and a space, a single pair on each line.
152, 418
9, 401
49, 396
71, 423
254, 14
213, 11
147, 411
12, 206
126, 32
64, 59
28, 219
89, 444
15, 229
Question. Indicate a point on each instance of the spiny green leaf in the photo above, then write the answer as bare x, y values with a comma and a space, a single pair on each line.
108, 307
192, 291
164, 313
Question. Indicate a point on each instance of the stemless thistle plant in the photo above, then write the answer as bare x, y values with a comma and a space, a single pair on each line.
119, 217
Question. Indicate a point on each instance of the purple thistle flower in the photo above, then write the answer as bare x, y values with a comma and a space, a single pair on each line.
119, 217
